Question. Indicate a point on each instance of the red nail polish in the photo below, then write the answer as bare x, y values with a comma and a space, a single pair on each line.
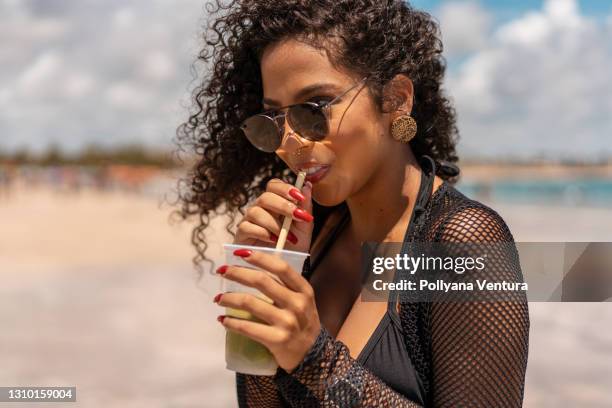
217, 298
295, 193
273, 237
302, 215
222, 269
243, 252
220, 319
292, 238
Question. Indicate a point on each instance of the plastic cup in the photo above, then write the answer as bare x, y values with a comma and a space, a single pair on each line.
243, 354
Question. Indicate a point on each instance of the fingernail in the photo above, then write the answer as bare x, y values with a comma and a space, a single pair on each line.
243, 253
302, 215
222, 269
220, 319
273, 237
217, 298
295, 193
292, 238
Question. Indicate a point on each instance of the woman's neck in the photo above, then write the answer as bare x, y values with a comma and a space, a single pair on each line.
381, 210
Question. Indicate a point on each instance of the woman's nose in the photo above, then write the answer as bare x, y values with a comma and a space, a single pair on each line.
292, 141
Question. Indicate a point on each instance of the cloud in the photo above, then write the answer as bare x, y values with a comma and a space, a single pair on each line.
465, 26
541, 87
43, 70
112, 72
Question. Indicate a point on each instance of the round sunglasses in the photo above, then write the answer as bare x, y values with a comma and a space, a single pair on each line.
310, 120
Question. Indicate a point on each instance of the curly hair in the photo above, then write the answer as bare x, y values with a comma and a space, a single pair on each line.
229, 171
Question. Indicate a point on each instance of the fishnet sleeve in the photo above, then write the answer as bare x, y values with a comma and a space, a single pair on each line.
257, 391
479, 348
329, 377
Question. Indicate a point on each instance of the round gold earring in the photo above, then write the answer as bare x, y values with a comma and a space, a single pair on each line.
403, 128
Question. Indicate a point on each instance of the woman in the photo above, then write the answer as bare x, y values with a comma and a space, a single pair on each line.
348, 90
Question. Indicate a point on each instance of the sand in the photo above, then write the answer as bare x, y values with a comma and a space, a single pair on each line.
98, 291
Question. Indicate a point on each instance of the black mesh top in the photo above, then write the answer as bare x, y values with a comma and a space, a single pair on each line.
470, 354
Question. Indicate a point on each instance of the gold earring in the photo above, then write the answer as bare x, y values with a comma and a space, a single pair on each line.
403, 128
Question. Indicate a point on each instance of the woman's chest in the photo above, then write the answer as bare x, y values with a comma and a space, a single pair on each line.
336, 286
337, 283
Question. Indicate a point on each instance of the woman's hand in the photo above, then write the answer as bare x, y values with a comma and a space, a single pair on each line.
263, 220
290, 325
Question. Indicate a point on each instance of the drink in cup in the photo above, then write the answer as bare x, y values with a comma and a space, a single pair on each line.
242, 354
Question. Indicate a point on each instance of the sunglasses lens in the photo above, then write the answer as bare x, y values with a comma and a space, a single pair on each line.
308, 120
262, 132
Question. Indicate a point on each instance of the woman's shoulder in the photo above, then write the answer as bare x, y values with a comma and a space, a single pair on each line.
458, 218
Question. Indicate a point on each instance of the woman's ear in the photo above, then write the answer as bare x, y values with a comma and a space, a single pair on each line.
398, 95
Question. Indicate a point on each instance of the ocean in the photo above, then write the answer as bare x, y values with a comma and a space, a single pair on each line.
591, 192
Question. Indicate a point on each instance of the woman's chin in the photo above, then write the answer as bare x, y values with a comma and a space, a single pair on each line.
327, 197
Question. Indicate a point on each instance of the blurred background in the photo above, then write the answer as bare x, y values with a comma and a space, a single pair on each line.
98, 289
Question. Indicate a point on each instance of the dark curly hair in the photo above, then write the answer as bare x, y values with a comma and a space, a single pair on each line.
378, 38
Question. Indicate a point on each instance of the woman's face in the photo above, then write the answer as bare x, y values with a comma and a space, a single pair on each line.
358, 140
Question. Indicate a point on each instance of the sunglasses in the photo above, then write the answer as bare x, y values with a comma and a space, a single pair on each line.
310, 120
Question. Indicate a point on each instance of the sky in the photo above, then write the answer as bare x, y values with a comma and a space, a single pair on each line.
529, 79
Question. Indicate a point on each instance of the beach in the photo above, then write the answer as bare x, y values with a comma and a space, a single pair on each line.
98, 292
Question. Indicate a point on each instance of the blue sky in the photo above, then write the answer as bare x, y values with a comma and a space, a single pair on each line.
505, 9
528, 78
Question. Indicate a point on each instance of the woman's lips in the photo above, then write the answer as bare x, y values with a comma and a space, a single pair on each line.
316, 173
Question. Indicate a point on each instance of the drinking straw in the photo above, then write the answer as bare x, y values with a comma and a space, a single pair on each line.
282, 237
